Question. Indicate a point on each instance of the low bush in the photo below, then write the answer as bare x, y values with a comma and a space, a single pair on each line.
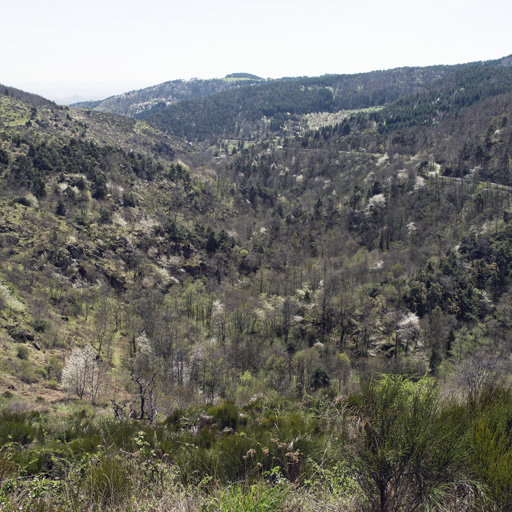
225, 415
22, 352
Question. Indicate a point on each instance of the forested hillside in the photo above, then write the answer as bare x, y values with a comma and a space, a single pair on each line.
271, 108
313, 317
159, 96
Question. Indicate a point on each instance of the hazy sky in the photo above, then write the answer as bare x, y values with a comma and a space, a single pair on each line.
96, 48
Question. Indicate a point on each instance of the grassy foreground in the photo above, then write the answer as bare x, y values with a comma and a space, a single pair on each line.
396, 445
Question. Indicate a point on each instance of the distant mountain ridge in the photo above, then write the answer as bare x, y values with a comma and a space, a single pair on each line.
199, 110
272, 105
246, 76
278, 106
137, 102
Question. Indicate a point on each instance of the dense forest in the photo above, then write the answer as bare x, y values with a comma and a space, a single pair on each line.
304, 304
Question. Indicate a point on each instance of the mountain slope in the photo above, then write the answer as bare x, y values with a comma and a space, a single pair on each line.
23, 114
84, 196
158, 96
265, 315
377, 241
250, 112
28, 98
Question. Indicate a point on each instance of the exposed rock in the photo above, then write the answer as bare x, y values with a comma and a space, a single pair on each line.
22, 335
75, 251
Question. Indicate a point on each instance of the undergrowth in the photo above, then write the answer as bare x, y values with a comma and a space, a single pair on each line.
395, 446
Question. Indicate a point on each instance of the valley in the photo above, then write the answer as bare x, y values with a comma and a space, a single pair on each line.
295, 293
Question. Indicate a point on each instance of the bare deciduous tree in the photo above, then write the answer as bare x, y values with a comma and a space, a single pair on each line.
480, 370
84, 373
144, 372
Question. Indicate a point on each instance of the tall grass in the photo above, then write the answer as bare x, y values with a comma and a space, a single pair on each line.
491, 453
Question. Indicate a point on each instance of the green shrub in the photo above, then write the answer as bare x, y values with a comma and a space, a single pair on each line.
411, 451
122, 435
26, 372
492, 463
53, 384
19, 427
105, 216
129, 200
270, 421
78, 426
257, 498
8, 468
42, 372
225, 414
54, 368
39, 325
492, 444
179, 420
22, 352
49, 460
85, 444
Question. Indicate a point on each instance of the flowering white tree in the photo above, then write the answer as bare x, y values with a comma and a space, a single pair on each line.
84, 374
408, 330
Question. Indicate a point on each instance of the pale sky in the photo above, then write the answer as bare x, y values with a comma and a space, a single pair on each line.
61, 48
